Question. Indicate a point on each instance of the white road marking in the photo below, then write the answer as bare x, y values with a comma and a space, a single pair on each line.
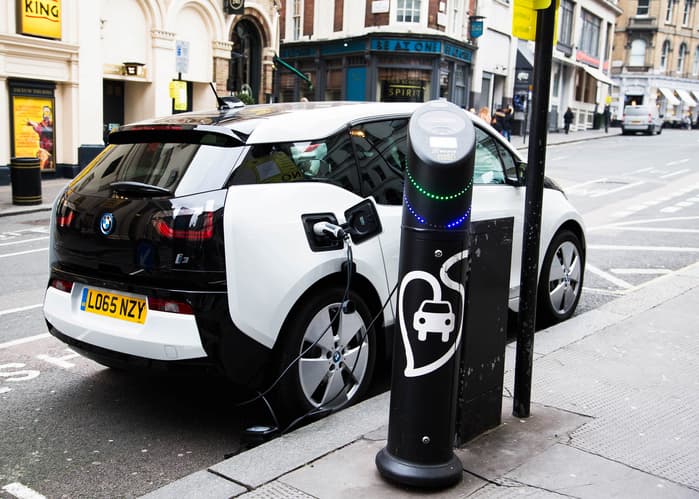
630, 174
18, 309
22, 491
678, 162
609, 277
4, 389
21, 341
640, 271
670, 209
620, 225
678, 172
670, 249
577, 186
618, 189
23, 252
25, 241
608, 292
60, 361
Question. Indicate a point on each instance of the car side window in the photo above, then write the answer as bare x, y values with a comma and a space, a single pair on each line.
381, 149
509, 162
327, 160
487, 168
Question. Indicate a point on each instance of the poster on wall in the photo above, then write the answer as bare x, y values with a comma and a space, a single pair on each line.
33, 131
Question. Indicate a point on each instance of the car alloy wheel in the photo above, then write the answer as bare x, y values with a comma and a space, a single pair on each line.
561, 278
332, 351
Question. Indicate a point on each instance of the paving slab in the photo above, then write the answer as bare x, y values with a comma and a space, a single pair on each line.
574, 473
492, 455
351, 473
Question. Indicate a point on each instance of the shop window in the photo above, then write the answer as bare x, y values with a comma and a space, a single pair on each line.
287, 87
333, 84
404, 85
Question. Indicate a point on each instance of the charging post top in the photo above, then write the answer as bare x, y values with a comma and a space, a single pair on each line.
439, 175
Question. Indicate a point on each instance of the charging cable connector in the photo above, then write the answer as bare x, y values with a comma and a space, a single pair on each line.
328, 229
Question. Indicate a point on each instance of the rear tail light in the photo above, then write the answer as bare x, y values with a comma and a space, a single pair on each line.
173, 306
64, 215
61, 285
186, 224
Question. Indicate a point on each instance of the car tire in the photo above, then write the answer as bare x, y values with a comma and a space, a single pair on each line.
335, 372
561, 279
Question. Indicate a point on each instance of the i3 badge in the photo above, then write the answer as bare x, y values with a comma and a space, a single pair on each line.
107, 224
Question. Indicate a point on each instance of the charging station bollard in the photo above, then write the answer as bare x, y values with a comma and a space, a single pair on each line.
432, 275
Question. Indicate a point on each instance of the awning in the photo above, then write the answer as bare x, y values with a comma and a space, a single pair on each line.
684, 95
599, 75
291, 68
695, 93
669, 96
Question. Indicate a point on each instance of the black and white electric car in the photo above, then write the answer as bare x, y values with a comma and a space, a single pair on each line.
190, 240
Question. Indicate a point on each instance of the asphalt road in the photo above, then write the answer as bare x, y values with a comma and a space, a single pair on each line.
71, 428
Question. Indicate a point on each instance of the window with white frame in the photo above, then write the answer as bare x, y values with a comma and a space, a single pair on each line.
637, 54
408, 11
664, 54
296, 19
642, 8
685, 13
681, 56
670, 11
589, 35
565, 23
695, 62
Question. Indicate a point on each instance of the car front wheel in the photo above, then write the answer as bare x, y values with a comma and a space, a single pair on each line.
330, 353
561, 278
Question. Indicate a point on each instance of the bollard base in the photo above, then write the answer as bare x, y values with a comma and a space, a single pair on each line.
427, 476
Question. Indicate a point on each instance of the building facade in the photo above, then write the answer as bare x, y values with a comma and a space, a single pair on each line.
580, 76
72, 70
376, 50
656, 57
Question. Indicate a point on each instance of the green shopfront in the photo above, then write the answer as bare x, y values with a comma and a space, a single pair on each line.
387, 68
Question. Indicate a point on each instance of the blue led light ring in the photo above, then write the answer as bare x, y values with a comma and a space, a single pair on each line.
438, 197
451, 225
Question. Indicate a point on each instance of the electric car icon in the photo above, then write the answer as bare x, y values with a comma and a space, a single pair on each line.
434, 317
211, 239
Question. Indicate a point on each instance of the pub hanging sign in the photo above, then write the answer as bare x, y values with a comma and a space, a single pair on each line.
39, 18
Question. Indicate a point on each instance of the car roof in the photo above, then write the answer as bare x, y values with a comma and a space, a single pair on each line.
301, 121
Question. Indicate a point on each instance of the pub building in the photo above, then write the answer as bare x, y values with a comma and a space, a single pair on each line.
377, 67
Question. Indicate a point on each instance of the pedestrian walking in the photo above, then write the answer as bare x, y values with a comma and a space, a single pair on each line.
568, 119
607, 116
507, 122
484, 114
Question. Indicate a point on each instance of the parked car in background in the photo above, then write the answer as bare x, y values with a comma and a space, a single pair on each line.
641, 119
192, 240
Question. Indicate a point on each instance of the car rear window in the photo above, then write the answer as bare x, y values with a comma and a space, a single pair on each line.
182, 168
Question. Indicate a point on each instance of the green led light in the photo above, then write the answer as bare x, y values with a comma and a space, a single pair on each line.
437, 197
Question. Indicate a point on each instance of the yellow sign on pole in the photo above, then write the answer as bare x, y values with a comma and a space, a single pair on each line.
524, 14
178, 91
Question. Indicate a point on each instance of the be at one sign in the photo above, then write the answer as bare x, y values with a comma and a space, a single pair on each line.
181, 56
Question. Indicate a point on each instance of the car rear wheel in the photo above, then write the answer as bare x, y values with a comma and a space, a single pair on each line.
561, 278
330, 352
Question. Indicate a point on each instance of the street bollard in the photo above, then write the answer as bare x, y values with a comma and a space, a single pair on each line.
433, 269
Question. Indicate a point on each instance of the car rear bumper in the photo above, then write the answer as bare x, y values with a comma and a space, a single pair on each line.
163, 336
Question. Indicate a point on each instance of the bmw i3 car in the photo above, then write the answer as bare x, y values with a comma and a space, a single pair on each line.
193, 240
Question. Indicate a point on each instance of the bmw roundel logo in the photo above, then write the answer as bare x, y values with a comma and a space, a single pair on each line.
107, 224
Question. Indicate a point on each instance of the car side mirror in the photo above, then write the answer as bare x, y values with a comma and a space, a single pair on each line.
363, 221
516, 176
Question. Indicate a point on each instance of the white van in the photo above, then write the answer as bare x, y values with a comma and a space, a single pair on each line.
641, 119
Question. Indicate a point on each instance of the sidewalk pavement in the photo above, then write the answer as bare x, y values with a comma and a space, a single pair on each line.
615, 413
51, 187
